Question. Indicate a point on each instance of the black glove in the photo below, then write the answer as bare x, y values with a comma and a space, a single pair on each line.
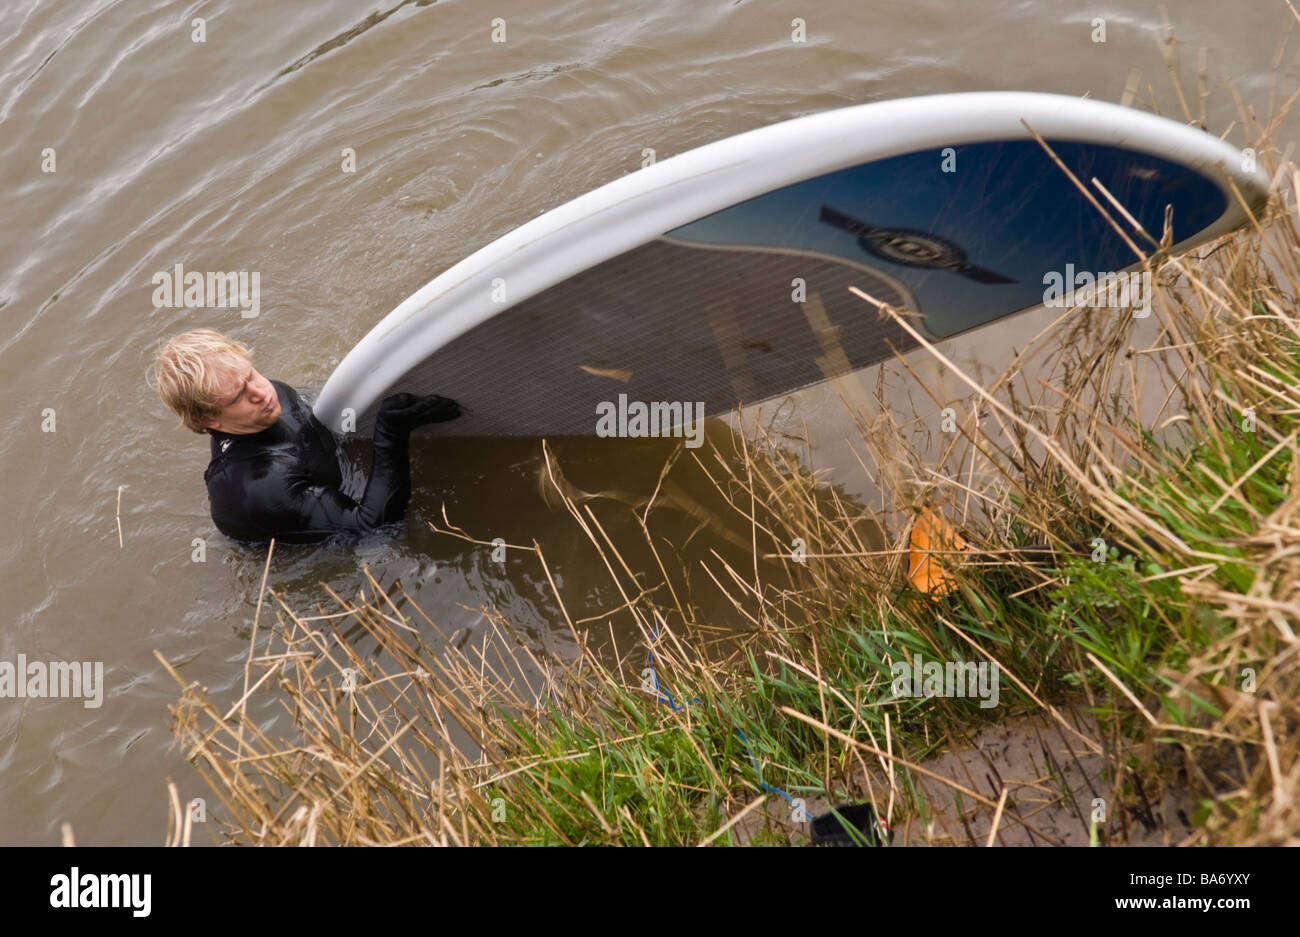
407, 411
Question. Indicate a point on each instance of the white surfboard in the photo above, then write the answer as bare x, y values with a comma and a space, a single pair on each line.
721, 275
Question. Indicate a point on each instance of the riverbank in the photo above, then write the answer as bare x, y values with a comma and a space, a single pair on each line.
1141, 689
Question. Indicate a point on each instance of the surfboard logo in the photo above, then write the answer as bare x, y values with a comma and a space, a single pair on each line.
911, 248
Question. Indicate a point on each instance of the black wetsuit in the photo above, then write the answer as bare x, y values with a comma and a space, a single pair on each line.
285, 482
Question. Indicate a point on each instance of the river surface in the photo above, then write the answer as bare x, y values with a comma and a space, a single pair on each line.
227, 154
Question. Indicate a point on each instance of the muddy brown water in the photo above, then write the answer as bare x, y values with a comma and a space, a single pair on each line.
227, 154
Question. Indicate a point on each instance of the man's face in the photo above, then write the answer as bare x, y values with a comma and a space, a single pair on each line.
249, 404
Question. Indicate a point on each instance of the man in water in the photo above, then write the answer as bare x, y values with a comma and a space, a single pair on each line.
276, 469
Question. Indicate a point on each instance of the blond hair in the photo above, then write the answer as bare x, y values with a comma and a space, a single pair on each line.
193, 372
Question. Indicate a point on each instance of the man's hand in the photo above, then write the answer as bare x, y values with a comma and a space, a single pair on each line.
407, 411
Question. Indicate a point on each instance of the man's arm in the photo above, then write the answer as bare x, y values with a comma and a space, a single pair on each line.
281, 499
320, 511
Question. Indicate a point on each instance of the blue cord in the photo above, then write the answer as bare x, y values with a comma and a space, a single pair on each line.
761, 782
665, 697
